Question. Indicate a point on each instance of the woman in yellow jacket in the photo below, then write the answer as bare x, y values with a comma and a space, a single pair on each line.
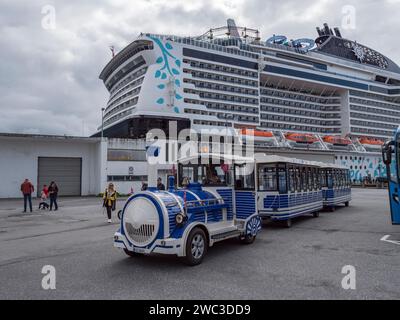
109, 200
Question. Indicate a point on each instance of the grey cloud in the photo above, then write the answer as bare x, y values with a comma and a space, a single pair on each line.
49, 79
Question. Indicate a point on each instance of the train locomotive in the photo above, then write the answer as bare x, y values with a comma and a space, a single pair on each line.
186, 221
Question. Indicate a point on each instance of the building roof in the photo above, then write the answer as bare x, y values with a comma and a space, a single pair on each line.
12, 135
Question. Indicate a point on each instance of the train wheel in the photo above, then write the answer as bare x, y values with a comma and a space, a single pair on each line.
287, 223
196, 247
132, 254
346, 203
316, 214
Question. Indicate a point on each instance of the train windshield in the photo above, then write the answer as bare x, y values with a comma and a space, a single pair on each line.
206, 174
244, 177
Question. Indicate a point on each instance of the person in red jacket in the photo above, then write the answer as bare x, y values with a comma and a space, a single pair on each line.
27, 189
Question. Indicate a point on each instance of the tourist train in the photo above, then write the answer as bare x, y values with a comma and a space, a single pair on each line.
218, 197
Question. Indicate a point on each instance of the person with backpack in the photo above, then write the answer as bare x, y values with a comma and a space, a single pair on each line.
110, 200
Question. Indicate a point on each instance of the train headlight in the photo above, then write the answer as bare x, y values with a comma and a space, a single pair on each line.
179, 218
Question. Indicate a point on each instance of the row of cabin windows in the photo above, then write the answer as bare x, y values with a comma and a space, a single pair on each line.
371, 131
285, 110
373, 124
133, 92
377, 100
325, 97
130, 77
299, 120
219, 77
221, 87
223, 106
223, 97
298, 104
220, 68
296, 96
354, 107
292, 126
373, 117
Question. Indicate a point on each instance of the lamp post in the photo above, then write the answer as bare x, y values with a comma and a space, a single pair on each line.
102, 122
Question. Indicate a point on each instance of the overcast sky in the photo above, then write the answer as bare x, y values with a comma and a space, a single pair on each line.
49, 76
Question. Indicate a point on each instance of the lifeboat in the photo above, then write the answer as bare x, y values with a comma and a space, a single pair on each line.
337, 140
257, 133
301, 137
372, 142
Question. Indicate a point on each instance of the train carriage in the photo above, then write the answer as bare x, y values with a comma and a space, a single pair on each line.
336, 185
287, 188
186, 221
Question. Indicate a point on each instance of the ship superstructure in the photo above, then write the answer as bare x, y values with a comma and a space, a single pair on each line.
328, 93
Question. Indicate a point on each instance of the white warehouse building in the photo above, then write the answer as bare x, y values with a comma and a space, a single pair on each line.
81, 166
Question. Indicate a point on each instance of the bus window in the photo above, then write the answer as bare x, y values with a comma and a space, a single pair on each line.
310, 179
292, 179
299, 183
343, 178
304, 179
188, 173
322, 177
244, 180
267, 180
282, 184
216, 174
329, 178
316, 178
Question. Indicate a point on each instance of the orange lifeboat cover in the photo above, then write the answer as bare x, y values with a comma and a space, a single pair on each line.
337, 140
257, 133
301, 137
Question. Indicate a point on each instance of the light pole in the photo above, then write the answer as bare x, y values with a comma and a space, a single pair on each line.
102, 122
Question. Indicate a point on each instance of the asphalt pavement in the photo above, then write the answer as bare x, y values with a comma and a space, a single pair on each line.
303, 262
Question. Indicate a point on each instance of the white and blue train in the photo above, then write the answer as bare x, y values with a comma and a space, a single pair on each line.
225, 197
186, 221
287, 188
336, 185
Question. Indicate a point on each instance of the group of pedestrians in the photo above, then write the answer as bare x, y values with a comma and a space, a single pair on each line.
48, 193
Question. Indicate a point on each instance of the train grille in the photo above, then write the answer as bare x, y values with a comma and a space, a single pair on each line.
143, 234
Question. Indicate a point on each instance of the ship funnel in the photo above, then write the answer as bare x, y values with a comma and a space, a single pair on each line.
326, 29
233, 31
337, 32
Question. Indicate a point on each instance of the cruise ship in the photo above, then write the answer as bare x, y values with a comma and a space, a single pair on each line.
327, 93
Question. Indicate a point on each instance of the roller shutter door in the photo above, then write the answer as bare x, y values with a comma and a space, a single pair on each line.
66, 172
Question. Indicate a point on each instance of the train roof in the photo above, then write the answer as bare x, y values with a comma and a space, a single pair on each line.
260, 158
332, 166
229, 157
264, 158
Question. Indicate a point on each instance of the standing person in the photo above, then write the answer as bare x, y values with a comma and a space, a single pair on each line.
109, 200
160, 185
27, 189
144, 186
53, 192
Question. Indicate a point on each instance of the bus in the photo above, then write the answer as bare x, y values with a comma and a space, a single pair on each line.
336, 185
391, 158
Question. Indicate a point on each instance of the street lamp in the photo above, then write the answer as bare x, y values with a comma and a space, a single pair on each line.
102, 122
